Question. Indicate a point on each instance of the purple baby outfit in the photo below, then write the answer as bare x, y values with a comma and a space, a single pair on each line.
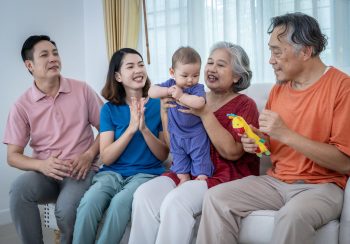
189, 142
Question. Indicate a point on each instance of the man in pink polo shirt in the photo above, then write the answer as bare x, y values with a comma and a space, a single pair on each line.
55, 116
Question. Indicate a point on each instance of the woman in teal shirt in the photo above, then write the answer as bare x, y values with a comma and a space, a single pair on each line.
132, 149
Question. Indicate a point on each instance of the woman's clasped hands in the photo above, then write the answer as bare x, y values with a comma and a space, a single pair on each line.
137, 113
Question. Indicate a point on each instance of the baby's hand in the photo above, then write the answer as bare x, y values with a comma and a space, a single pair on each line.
176, 92
201, 177
171, 90
183, 178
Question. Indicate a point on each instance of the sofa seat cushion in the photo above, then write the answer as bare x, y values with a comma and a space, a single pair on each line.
258, 227
328, 233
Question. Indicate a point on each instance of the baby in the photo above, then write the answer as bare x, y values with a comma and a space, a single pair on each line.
189, 142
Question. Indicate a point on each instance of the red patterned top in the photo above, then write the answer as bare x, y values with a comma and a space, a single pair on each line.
248, 164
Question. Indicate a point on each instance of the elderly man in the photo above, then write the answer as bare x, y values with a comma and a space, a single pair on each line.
306, 122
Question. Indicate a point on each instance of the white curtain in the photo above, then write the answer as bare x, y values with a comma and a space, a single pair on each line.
201, 23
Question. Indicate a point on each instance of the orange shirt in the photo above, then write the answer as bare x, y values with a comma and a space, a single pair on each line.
322, 113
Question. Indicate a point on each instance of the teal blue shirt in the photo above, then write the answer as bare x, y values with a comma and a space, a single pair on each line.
137, 157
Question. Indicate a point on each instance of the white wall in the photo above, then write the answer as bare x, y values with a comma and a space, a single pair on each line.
96, 61
76, 26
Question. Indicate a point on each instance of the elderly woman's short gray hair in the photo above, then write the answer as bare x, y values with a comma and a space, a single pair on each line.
240, 63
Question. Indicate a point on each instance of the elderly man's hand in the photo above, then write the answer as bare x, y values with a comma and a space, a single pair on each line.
272, 124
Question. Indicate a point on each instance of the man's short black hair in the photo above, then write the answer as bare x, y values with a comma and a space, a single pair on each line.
28, 45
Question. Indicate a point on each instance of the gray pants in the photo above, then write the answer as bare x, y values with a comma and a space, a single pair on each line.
302, 208
33, 188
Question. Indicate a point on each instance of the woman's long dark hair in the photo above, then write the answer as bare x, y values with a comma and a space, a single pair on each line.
114, 91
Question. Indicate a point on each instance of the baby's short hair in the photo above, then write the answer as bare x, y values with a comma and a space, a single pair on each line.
185, 55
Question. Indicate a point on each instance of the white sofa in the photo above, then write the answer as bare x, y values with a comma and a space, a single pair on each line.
258, 226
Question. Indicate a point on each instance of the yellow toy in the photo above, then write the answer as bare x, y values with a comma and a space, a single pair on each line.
241, 127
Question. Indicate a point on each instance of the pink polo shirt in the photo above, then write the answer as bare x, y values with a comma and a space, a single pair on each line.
50, 125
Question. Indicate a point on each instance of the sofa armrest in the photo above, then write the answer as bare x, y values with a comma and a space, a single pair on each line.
344, 237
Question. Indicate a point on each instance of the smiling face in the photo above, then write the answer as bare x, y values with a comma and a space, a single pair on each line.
218, 71
186, 75
132, 73
286, 61
46, 63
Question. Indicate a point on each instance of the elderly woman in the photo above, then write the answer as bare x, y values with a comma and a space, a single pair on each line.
165, 213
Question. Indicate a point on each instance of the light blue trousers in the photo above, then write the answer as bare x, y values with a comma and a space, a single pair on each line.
112, 195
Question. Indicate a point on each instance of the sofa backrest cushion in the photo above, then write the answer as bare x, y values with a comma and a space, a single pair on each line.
259, 92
